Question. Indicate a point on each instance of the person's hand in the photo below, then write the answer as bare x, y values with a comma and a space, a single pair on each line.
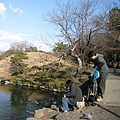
90, 65
64, 95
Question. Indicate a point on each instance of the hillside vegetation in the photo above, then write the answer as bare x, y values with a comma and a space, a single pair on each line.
40, 69
34, 59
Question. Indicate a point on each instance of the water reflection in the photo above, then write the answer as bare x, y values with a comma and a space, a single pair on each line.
19, 98
18, 103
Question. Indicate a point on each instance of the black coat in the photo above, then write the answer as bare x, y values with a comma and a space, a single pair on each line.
75, 94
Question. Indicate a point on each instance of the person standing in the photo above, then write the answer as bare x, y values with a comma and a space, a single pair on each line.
100, 62
73, 96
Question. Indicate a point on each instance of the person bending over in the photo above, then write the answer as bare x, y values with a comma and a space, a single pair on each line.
100, 62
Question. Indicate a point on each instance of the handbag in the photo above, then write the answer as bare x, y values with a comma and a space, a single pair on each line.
96, 73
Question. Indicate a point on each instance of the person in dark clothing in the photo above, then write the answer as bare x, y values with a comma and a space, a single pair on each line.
100, 62
73, 94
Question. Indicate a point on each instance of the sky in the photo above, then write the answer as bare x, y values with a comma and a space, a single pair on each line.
23, 20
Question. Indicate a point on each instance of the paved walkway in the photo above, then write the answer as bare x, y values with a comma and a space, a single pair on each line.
112, 92
109, 107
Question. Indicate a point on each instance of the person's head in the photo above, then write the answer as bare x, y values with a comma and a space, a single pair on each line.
68, 84
92, 55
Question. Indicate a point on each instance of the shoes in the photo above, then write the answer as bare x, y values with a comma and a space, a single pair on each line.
65, 111
99, 98
91, 93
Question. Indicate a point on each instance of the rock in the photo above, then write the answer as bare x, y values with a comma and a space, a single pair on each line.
42, 113
42, 87
31, 118
54, 90
29, 85
54, 107
35, 86
5, 80
39, 113
71, 115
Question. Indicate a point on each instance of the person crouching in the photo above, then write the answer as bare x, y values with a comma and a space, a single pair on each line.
72, 97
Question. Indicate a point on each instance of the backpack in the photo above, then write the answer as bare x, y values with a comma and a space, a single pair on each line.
96, 73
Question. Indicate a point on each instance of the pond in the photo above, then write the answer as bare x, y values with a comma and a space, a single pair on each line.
19, 103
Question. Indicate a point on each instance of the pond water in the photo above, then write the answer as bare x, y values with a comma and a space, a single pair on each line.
19, 103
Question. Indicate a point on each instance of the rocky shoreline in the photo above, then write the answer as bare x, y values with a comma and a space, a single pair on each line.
53, 114
6, 81
98, 113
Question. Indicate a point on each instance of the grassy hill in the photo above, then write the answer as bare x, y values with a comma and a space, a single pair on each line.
41, 72
34, 59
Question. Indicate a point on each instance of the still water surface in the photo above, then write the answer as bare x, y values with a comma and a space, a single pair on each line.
18, 103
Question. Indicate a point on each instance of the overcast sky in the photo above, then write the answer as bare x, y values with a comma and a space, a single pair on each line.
22, 20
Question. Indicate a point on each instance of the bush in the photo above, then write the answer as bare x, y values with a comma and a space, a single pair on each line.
43, 75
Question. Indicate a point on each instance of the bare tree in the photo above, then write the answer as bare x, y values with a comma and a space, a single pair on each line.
23, 45
76, 24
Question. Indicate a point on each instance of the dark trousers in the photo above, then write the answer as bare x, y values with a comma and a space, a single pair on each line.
102, 83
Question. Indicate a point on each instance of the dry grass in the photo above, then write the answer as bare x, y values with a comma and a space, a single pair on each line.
35, 58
